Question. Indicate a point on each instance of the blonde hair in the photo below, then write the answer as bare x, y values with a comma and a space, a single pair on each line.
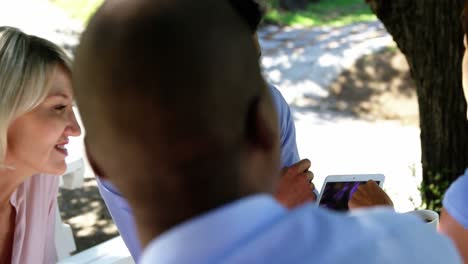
26, 64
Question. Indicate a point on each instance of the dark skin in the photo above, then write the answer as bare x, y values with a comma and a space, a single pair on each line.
295, 185
173, 163
369, 195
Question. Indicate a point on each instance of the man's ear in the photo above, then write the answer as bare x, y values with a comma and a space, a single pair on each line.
92, 162
261, 126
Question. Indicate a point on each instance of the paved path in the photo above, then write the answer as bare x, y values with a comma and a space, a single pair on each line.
304, 61
301, 62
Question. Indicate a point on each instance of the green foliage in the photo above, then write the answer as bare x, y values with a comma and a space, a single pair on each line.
433, 190
325, 12
79, 9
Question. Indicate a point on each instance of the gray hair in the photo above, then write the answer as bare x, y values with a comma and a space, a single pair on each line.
26, 64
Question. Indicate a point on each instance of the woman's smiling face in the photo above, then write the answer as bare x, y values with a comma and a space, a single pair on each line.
37, 139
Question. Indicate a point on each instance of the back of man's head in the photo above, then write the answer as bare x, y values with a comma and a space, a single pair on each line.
171, 95
250, 10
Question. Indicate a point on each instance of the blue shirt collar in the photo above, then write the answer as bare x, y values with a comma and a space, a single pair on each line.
205, 238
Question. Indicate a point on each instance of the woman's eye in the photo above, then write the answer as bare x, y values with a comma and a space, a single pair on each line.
60, 107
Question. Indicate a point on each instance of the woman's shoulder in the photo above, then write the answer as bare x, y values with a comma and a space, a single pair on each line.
45, 181
455, 199
39, 187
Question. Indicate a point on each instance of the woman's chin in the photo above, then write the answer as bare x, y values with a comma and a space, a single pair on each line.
57, 170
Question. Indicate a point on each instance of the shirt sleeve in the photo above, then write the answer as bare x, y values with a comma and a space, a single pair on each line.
289, 153
455, 200
122, 215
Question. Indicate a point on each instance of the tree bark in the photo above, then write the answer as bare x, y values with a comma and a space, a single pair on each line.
430, 35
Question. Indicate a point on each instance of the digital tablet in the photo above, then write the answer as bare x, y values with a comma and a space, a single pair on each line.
338, 189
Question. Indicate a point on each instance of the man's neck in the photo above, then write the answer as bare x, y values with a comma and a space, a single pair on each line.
152, 222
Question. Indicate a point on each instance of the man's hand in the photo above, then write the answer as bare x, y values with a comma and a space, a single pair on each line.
295, 185
368, 195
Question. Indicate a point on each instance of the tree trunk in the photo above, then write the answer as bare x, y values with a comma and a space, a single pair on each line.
430, 35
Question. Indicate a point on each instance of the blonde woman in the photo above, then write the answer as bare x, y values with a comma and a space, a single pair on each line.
36, 120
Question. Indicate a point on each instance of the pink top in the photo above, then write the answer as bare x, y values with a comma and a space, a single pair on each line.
35, 202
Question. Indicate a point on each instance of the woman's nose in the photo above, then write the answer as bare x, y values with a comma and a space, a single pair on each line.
73, 127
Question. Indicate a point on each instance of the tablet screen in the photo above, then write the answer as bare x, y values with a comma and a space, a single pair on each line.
336, 195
